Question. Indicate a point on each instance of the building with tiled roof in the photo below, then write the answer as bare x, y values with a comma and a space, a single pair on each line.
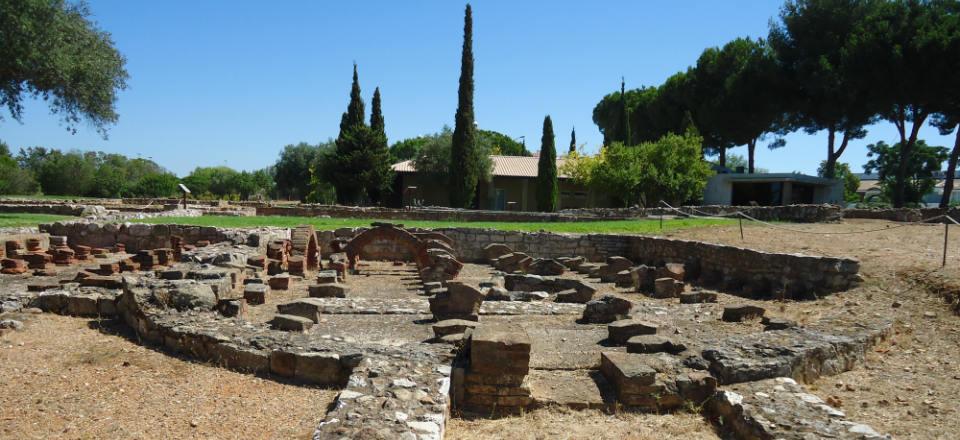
512, 186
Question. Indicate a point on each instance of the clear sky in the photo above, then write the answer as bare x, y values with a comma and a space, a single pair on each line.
231, 82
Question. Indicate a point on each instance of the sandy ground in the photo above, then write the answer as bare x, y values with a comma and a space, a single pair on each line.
910, 384
62, 378
560, 423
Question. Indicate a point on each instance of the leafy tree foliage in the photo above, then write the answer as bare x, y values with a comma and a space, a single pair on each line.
433, 162
919, 178
947, 122
669, 169
13, 179
407, 149
87, 174
548, 191
223, 182
500, 143
851, 183
292, 171
812, 43
488, 142
52, 50
464, 156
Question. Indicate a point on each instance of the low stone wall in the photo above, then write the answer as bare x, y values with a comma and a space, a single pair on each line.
138, 236
792, 213
902, 214
732, 269
54, 209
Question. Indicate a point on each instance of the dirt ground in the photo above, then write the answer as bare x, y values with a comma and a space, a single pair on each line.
910, 384
64, 378
564, 424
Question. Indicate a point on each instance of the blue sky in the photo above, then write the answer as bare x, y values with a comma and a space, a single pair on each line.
232, 82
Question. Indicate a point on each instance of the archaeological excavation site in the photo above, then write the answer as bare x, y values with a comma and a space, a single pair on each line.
403, 332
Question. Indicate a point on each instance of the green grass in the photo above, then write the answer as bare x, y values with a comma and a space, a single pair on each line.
646, 226
21, 219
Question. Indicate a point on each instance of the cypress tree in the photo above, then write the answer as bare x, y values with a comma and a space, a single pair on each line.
624, 134
379, 175
344, 168
376, 115
548, 197
464, 163
573, 140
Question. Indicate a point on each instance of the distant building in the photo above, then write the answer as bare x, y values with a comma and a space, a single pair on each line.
512, 187
870, 190
771, 189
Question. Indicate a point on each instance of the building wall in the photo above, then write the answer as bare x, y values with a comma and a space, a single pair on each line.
719, 191
520, 193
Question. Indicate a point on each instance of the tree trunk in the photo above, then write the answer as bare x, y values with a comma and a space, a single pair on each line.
723, 157
829, 172
951, 169
906, 154
751, 147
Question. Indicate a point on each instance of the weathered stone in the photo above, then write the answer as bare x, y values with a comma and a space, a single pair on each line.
654, 344
698, 296
493, 251
279, 282
291, 323
501, 350
624, 279
232, 308
513, 262
460, 301
107, 282
782, 409
329, 290
498, 294
667, 288
319, 368
777, 323
627, 372
546, 267
582, 296
193, 296
606, 309
452, 326
255, 294
614, 265
283, 363
326, 277
305, 307
172, 274
618, 332
11, 324
741, 313
572, 263
676, 271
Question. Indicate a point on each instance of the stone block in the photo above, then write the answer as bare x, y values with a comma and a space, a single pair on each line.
546, 267
241, 358
697, 297
279, 282
329, 290
319, 368
326, 277
627, 373
283, 363
654, 344
493, 251
172, 274
255, 294
291, 323
618, 332
606, 309
776, 323
460, 301
667, 288
741, 313
82, 305
306, 307
574, 296
501, 350
676, 271
104, 281
452, 326
233, 308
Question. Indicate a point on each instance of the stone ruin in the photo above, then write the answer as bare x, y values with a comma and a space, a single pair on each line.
427, 326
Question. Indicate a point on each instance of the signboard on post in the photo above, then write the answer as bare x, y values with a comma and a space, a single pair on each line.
185, 191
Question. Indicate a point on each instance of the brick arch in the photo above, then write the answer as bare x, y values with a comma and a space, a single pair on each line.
391, 233
304, 242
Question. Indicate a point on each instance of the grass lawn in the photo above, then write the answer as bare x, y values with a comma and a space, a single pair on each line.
21, 219
645, 226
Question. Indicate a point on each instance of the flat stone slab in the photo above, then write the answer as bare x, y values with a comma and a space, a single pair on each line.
578, 389
291, 323
619, 332
800, 353
452, 326
654, 344
780, 408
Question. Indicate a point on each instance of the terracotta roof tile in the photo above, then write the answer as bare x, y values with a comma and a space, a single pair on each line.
503, 166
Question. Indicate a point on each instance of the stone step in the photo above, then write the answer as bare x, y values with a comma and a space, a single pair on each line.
577, 389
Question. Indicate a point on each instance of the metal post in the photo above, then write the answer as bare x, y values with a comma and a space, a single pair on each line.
741, 227
661, 219
946, 234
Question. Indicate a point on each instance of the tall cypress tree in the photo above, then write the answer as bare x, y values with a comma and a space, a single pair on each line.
624, 134
344, 169
573, 140
379, 175
464, 163
376, 114
548, 197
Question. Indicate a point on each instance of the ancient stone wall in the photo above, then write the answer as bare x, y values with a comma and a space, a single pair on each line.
730, 268
901, 214
139, 236
55, 209
792, 213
